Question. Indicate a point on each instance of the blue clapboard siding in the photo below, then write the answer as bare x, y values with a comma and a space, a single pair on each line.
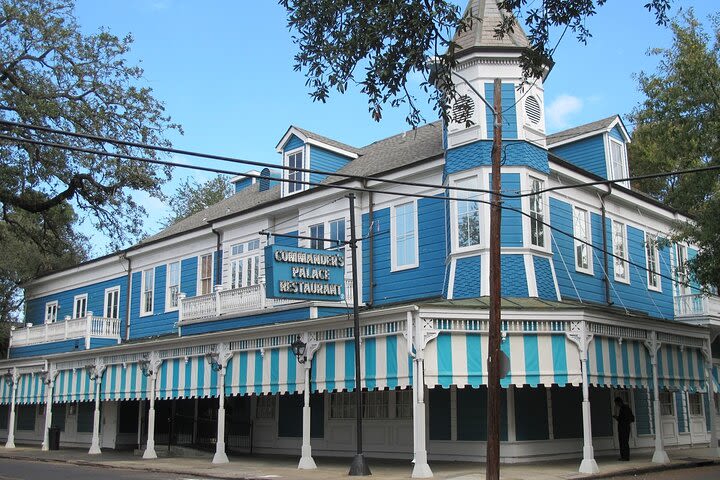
616, 133
249, 321
511, 229
188, 276
48, 348
243, 183
293, 143
588, 154
332, 311
287, 241
35, 312
467, 277
325, 160
591, 288
513, 277
509, 114
102, 342
544, 278
515, 153
424, 281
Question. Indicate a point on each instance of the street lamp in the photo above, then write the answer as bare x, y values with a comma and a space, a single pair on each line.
299, 348
213, 358
9, 378
91, 370
144, 365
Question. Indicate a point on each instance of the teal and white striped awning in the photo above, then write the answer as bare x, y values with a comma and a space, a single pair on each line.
627, 364
5, 392
31, 389
73, 386
460, 359
716, 378
124, 383
193, 378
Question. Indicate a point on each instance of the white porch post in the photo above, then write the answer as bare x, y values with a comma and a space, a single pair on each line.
223, 355
14, 377
659, 455
97, 373
50, 382
153, 371
581, 337
707, 353
306, 460
419, 336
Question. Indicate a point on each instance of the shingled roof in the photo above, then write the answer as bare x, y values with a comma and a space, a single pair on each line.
596, 126
485, 16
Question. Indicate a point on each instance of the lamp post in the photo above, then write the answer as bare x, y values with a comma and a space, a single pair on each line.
149, 365
218, 358
95, 371
304, 347
11, 379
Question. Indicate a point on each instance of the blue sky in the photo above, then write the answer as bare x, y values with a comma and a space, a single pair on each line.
224, 70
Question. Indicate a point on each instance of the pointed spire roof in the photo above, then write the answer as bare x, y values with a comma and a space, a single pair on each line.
486, 16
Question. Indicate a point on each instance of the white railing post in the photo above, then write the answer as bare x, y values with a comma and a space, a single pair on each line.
12, 334
218, 307
67, 320
181, 306
263, 299
27, 332
88, 329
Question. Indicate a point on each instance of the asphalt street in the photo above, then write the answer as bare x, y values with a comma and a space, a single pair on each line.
25, 470
700, 473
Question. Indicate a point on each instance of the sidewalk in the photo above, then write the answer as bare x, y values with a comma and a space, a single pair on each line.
263, 466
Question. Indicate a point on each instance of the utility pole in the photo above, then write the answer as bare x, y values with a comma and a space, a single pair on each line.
492, 466
359, 466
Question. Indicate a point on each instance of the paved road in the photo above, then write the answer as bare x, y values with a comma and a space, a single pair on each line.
24, 470
700, 473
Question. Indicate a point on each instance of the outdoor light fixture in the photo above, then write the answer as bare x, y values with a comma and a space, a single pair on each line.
45, 377
9, 378
212, 358
298, 348
144, 365
91, 371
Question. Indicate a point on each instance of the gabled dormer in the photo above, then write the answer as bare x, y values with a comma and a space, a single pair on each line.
599, 147
306, 150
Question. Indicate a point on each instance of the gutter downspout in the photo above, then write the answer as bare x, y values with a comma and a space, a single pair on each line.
605, 243
127, 296
218, 264
371, 248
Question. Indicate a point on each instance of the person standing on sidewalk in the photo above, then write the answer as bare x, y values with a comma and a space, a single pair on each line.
624, 418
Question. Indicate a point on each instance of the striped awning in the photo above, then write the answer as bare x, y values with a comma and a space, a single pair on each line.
5, 392
627, 364
31, 389
273, 370
124, 383
191, 378
716, 378
73, 386
460, 359
384, 361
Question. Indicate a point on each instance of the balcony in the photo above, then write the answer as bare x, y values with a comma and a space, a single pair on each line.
697, 306
87, 328
235, 301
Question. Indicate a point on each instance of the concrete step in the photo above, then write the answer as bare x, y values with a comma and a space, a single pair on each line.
176, 451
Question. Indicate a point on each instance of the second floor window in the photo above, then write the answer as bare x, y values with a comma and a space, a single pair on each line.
653, 267
295, 160
317, 232
148, 288
173, 284
80, 306
537, 214
337, 234
617, 160
619, 238
112, 303
683, 278
206, 271
245, 264
51, 311
468, 214
581, 232
405, 236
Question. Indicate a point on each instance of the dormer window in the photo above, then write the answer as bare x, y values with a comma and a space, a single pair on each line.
295, 159
618, 162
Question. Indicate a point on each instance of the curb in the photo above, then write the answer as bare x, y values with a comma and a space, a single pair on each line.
652, 468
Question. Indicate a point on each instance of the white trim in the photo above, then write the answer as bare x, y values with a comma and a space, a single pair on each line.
626, 255
76, 299
485, 274
304, 176
168, 307
311, 141
394, 267
143, 312
530, 276
451, 279
240, 177
588, 230
657, 272
198, 288
105, 300
608, 141
57, 309
526, 185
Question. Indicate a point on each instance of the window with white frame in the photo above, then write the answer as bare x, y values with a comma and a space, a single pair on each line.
651, 257
404, 236
112, 303
206, 273
695, 403
581, 232
620, 252
666, 403
468, 213
681, 271
317, 232
173, 285
295, 160
617, 160
337, 234
537, 213
80, 306
245, 264
51, 311
148, 291
265, 407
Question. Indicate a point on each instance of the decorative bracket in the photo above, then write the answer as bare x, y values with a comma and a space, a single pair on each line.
154, 363
312, 345
707, 352
579, 335
224, 354
653, 345
99, 369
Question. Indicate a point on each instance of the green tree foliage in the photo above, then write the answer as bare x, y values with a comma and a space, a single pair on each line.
192, 197
377, 45
678, 127
53, 75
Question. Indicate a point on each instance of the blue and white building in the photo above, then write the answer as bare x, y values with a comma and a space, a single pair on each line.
595, 304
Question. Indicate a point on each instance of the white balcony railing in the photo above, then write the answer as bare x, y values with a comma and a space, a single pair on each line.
86, 328
697, 305
236, 300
